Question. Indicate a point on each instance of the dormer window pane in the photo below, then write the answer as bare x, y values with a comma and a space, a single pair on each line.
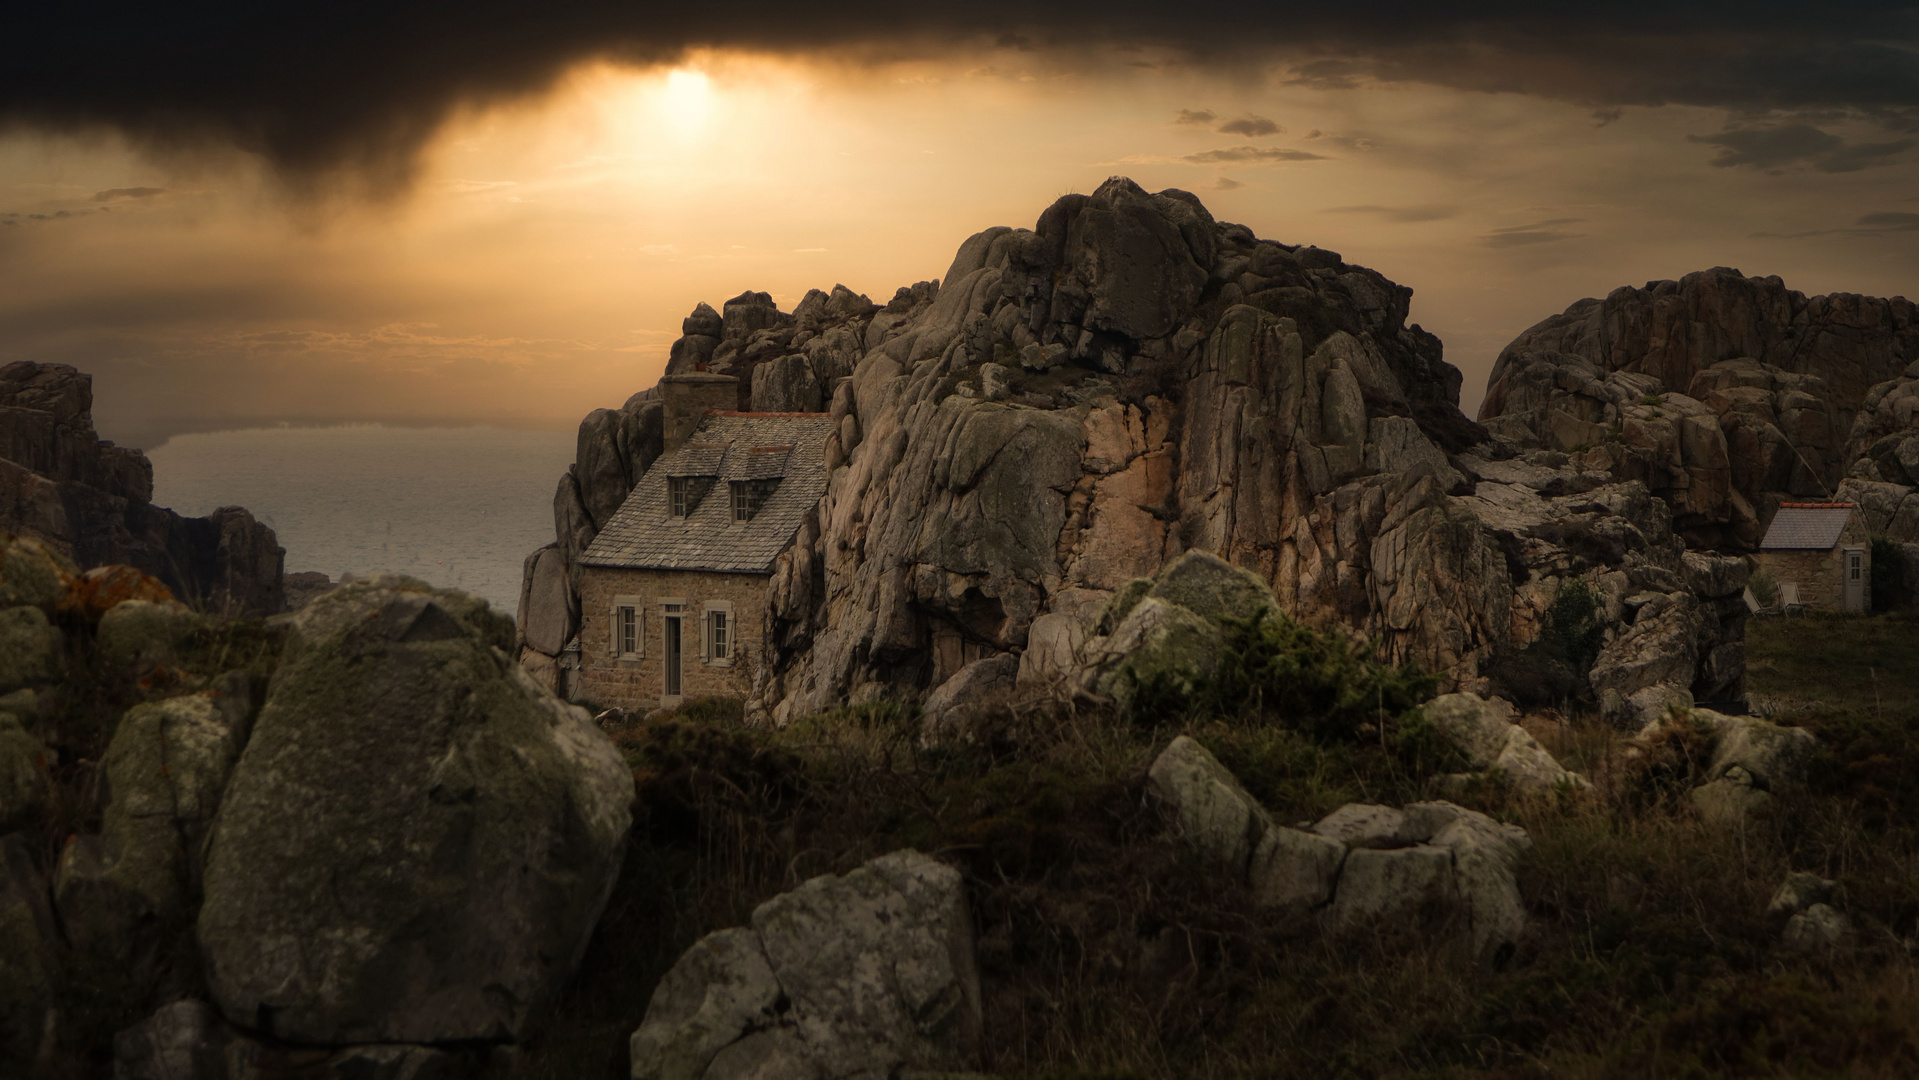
683, 494
749, 496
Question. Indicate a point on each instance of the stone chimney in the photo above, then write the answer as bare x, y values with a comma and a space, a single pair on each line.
687, 397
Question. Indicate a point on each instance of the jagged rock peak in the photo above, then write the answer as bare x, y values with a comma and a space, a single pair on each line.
1073, 406
1725, 394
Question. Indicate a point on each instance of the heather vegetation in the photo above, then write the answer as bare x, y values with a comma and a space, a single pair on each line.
1108, 950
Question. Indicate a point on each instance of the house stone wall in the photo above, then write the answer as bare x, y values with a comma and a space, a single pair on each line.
610, 681
1820, 575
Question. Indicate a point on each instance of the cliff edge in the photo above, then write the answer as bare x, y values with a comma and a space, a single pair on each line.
92, 501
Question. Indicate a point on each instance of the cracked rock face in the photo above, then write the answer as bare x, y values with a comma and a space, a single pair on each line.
1075, 405
417, 840
862, 975
1723, 394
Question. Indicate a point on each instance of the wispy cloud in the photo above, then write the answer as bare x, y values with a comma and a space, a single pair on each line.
1227, 183
1877, 223
1550, 231
1250, 126
112, 194
1250, 155
1400, 214
1195, 117
470, 187
1773, 149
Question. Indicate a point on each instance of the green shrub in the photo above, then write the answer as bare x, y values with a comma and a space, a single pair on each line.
1765, 587
1888, 562
1576, 625
1273, 669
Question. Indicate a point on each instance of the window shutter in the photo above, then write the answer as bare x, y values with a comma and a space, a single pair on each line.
706, 631
639, 629
613, 630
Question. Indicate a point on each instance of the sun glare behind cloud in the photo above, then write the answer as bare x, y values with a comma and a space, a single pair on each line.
688, 99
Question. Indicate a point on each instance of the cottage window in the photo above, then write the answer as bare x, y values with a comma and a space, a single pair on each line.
676, 496
749, 496
716, 641
627, 637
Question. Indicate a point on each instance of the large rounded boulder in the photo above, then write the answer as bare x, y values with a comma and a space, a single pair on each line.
417, 841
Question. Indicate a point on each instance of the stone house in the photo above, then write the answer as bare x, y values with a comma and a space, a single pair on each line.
672, 590
1821, 556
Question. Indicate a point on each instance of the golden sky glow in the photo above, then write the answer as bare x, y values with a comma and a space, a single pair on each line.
541, 264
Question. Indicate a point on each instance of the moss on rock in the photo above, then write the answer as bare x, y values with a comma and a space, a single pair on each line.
418, 839
31, 648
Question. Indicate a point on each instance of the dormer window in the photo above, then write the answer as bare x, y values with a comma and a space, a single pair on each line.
683, 494
749, 496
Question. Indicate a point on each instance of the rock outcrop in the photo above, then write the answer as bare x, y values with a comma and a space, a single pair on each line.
416, 842
1432, 868
1723, 394
92, 501
1496, 746
1073, 406
870, 974
1751, 760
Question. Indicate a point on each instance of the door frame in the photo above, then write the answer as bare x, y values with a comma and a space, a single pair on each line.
1851, 587
673, 616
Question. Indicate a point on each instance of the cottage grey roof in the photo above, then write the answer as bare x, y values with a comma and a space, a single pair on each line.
1807, 526
727, 447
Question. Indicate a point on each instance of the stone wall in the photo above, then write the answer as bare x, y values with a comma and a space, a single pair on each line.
609, 681
1820, 575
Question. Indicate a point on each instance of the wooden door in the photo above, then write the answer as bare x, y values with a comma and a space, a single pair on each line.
672, 652
1852, 567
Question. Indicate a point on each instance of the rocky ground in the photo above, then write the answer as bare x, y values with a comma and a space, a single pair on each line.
357, 842
1273, 892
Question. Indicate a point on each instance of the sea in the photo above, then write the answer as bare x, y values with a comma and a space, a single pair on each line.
458, 507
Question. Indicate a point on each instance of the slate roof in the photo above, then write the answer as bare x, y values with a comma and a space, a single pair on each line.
728, 447
1807, 526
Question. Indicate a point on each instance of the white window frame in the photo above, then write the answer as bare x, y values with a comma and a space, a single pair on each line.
678, 498
637, 606
708, 653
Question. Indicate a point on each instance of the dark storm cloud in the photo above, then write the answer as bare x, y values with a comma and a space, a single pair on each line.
361, 85
1250, 126
1250, 155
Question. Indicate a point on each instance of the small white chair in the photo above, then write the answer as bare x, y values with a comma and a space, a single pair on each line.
1789, 598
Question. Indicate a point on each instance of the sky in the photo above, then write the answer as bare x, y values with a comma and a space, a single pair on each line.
417, 214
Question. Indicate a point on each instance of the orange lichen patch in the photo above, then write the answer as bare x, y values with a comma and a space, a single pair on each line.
93, 593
